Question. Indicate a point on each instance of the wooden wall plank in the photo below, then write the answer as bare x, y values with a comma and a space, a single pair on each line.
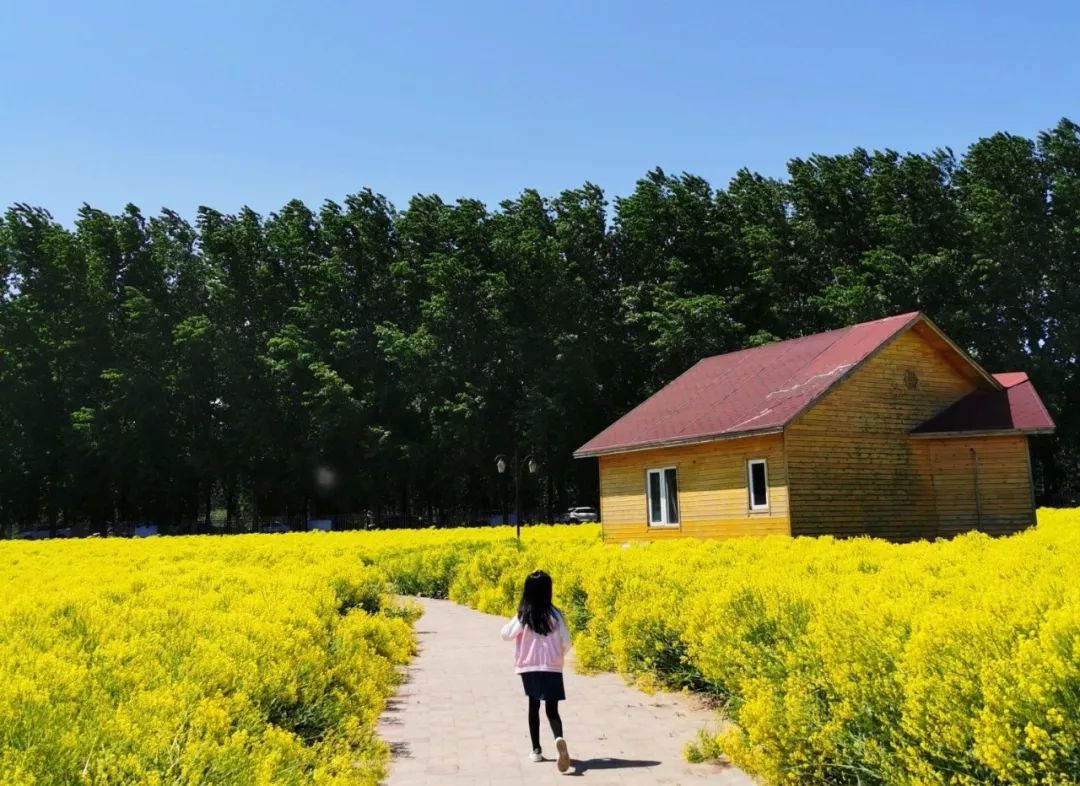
997, 500
729, 528
713, 495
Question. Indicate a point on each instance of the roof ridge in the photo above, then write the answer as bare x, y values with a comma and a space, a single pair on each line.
1023, 377
777, 343
818, 334
793, 375
810, 361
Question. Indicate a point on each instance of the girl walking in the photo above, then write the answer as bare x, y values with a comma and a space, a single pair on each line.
541, 640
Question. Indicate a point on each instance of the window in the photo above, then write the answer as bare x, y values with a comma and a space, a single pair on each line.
758, 484
662, 489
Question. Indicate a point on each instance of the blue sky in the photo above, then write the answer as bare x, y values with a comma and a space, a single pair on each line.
234, 103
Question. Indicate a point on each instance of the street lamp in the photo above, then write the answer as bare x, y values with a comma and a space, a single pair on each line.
530, 463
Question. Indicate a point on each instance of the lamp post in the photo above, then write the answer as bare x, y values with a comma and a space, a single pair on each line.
500, 465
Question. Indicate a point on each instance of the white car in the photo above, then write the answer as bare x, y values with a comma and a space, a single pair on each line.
580, 515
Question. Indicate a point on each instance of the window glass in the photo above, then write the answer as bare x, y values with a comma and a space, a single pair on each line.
671, 491
655, 509
759, 490
662, 489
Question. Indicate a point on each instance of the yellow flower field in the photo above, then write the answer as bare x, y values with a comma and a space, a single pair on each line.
243, 660
266, 659
840, 662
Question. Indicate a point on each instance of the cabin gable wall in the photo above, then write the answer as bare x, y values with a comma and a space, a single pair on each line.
853, 468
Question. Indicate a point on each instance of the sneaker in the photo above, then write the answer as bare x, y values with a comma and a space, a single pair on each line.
564, 756
536, 755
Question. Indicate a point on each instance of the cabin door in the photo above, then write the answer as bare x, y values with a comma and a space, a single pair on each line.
956, 487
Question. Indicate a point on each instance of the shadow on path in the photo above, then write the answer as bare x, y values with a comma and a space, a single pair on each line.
584, 765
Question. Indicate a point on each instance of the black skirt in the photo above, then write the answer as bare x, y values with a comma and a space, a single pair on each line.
543, 685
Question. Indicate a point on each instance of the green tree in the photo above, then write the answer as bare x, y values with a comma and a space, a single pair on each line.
360, 358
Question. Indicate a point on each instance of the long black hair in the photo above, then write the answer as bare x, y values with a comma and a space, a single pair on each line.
535, 610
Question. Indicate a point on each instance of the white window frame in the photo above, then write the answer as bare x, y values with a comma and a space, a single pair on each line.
750, 484
663, 523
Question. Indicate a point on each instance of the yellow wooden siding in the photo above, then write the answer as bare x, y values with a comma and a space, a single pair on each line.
981, 483
713, 495
853, 468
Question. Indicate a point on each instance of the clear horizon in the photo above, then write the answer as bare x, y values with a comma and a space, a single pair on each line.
258, 104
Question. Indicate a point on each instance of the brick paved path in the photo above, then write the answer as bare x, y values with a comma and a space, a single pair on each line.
459, 719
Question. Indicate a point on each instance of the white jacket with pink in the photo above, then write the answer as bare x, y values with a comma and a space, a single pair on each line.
533, 652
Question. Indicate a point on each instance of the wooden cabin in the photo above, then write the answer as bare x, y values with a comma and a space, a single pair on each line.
886, 428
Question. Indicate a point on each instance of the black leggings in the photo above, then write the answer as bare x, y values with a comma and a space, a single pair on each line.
552, 710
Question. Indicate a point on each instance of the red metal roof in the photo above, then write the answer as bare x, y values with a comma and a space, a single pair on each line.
1015, 408
740, 393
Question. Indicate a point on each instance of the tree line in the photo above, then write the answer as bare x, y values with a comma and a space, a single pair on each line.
361, 357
